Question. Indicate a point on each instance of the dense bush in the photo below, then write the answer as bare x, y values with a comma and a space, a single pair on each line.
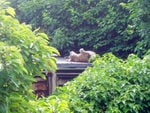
119, 26
140, 16
23, 54
112, 85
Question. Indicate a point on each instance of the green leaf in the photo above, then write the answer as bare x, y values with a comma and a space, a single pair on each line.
11, 11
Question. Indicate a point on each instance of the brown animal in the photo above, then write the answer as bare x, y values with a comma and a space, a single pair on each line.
83, 56
91, 53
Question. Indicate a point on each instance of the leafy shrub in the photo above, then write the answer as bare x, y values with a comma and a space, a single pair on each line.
23, 54
112, 85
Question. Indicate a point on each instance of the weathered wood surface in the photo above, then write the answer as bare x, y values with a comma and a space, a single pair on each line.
63, 63
66, 71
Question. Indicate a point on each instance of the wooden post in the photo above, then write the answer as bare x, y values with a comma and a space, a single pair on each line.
51, 82
54, 77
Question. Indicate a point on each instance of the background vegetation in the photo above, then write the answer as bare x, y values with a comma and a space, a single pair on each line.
140, 15
111, 85
118, 26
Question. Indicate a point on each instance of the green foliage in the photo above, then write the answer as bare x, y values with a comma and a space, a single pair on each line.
140, 16
23, 54
60, 41
12, 76
100, 25
52, 104
112, 85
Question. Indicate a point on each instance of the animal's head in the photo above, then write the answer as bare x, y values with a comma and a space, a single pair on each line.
81, 50
84, 53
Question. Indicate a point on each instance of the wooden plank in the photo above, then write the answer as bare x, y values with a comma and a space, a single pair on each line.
63, 63
66, 74
69, 71
69, 65
64, 69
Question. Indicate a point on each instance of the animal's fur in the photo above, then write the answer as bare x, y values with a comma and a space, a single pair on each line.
91, 53
83, 56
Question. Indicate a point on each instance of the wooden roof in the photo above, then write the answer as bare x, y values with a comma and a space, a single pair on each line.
63, 63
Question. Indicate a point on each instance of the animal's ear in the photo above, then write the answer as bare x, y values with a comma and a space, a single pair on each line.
81, 50
71, 52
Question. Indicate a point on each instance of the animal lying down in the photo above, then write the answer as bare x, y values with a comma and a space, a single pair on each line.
82, 56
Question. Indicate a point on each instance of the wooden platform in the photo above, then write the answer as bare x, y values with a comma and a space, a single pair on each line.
63, 63
66, 72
